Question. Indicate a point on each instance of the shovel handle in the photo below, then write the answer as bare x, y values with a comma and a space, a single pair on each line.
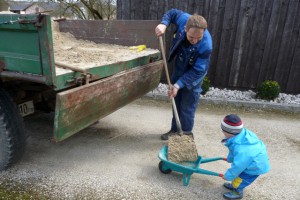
178, 124
164, 59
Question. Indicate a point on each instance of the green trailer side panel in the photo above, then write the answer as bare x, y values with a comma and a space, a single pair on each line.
63, 81
80, 107
26, 45
46, 50
21, 62
18, 48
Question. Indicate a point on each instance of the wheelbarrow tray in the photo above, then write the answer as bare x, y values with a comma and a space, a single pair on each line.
186, 168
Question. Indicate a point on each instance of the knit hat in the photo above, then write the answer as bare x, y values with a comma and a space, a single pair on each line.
232, 124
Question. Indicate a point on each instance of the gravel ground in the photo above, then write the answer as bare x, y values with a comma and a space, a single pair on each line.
117, 158
239, 95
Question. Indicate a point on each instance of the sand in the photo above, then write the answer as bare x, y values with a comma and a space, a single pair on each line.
87, 54
182, 149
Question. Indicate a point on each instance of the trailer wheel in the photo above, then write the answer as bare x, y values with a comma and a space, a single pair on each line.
164, 171
12, 134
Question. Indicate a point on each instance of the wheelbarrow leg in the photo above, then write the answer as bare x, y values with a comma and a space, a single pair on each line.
186, 179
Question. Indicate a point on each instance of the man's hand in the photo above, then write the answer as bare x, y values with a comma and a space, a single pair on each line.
173, 91
160, 29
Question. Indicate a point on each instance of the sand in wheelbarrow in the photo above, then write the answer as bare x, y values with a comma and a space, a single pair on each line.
182, 149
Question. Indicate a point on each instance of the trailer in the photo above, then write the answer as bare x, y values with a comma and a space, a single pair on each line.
32, 78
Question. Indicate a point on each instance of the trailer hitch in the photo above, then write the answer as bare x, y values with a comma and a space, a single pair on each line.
84, 79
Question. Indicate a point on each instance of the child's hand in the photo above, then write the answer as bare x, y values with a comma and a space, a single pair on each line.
222, 176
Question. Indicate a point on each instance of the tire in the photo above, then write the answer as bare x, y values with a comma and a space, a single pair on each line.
12, 133
160, 166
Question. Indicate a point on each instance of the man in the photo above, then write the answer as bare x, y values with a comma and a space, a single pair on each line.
191, 47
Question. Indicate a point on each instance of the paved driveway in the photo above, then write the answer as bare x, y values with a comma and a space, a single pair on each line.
117, 158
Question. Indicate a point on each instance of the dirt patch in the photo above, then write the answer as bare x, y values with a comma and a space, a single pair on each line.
294, 142
182, 149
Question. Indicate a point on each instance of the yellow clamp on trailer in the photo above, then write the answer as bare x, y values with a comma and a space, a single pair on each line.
138, 48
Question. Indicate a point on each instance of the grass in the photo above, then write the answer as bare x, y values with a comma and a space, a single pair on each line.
15, 191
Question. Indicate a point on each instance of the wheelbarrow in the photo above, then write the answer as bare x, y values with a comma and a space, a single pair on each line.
186, 168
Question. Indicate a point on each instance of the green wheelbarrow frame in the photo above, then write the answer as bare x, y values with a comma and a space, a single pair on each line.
186, 168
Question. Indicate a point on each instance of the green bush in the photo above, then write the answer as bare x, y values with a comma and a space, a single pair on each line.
205, 85
268, 90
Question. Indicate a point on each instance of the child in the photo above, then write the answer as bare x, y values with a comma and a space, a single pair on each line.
247, 155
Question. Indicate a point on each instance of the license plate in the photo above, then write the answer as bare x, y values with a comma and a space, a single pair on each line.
26, 108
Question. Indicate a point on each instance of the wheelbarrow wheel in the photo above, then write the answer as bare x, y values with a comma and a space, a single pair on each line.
160, 166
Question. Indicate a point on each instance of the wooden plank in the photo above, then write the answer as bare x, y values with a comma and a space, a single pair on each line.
246, 40
126, 10
119, 9
78, 108
161, 9
170, 4
198, 8
293, 80
287, 46
216, 14
176, 4
213, 18
266, 66
205, 10
191, 7
122, 32
146, 9
153, 14
278, 38
263, 20
238, 45
293, 85
138, 10
133, 9
184, 5
227, 43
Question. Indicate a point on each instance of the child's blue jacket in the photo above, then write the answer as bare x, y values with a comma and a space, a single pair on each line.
191, 64
247, 154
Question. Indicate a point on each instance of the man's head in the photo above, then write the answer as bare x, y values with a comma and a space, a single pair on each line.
231, 125
195, 28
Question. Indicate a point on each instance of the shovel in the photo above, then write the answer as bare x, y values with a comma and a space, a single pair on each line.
178, 124
182, 148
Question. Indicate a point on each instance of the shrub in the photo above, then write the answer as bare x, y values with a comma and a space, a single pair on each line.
268, 90
205, 85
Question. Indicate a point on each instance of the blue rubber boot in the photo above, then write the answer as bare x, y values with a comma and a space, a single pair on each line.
228, 186
233, 195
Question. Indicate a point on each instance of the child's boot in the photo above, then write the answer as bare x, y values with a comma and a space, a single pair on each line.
228, 186
233, 195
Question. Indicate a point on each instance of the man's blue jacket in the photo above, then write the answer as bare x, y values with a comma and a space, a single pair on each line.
191, 63
247, 154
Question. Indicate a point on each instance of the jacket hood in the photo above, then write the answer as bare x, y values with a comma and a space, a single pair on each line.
244, 137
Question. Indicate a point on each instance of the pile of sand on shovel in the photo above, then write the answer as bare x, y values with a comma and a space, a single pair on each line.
182, 149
